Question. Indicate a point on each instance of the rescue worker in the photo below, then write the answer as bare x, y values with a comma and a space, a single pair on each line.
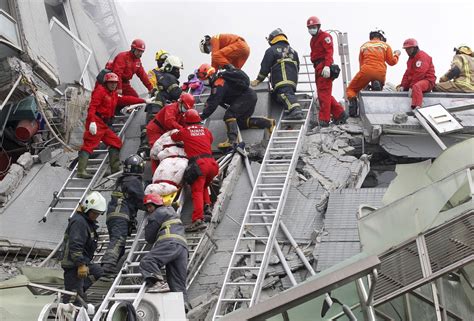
165, 232
168, 118
237, 98
460, 78
100, 76
197, 141
126, 200
322, 58
420, 74
225, 49
160, 58
80, 243
283, 64
372, 58
104, 100
128, 63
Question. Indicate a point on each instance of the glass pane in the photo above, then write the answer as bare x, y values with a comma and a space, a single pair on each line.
8, 29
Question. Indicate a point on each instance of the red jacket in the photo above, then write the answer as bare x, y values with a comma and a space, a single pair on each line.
170, 117
419, 67
103, 103
322, 48
126, 65
197, 140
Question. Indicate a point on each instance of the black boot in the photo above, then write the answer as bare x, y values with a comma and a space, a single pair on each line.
207, 213
114, 160
294, 113
353, 108
232, 133
262, 122
82, 164
376, 85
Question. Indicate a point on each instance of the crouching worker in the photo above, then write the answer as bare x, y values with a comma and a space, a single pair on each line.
80, 243
100, 114
165, 230
202, 167
126, 200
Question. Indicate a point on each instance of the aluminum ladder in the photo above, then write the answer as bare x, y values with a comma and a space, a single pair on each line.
270, 189
74, 189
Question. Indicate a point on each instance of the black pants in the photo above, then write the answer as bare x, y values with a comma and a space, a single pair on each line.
242, 108
75, 284
118, 231
175, 256
285, 96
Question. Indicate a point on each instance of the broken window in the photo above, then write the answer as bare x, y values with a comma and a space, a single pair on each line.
9, 37
55, 8
72, 56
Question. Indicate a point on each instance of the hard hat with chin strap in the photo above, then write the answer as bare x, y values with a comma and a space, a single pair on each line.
94, 201
138, 44
172, 62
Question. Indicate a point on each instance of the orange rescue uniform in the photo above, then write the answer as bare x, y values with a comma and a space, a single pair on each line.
229, 49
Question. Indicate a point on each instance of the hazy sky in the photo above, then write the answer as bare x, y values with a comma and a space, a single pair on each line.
178, 27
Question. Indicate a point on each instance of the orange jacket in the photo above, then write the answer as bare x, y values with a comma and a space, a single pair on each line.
374, 54
229, 49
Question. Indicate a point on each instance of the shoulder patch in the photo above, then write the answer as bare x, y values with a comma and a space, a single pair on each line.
327, 39
418, 64
219, 82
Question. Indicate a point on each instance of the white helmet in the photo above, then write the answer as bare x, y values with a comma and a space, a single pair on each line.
172, 62
94, 201
204, 44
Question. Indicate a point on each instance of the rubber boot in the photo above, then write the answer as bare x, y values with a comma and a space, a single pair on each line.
232, 133
262, 122
353, 107
114, 160
82, 164
294, 113
342, 119
376, 85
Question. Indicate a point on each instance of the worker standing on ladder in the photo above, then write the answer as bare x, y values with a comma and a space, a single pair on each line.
322, 58
126, 200
104, 100
168, 118
80, 243
165, 231
230, 89
202, 167
225, 50
420, 74
372, 58
283, 64
128, 63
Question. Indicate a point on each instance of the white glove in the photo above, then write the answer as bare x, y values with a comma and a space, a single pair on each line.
93, 128
397, 53
149, 100
326, 72
400, 88
254, 83
409, 93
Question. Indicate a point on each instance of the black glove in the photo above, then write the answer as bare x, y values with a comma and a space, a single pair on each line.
190, 76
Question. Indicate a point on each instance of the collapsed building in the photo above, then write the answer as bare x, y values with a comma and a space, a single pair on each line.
371, 220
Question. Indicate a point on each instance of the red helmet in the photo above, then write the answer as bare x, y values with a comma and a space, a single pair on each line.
138, 44
191, 116
153, 199
205, 71
111, 77
187, 100
313, 21
109, 65
410, 42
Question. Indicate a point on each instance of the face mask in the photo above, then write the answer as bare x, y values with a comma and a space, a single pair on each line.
313, 31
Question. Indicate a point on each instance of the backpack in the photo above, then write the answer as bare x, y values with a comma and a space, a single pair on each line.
236, 78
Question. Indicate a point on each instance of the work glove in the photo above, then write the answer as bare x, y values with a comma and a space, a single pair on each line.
400, 88
119, 92
149, 100
82, 271
397, 53
254, 83
93, 128
326, 72
409, 93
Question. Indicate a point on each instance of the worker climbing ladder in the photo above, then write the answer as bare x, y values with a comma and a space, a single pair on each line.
267, 202
68, 198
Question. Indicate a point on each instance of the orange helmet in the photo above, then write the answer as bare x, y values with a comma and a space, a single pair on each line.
111, 77
410, 42
138, 44
313, 21
187, 100
205, 71
154, 199
191, 116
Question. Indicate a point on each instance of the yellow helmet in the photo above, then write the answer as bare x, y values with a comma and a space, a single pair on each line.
168, 199
161, 55
464, 49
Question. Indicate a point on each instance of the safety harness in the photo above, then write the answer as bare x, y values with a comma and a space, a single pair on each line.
168, 235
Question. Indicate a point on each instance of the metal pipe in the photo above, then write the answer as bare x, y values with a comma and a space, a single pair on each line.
11, 92
370, 298
406, 304
369, 313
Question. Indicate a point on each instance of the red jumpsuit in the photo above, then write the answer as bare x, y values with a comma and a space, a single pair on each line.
419, 76
229, 49
321, 55
168, 118
197, 141
101, 111
125, 66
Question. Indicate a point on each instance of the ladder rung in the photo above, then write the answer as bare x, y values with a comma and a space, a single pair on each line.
280, 153
274, 172
269, 184
263, 210
281, 148
95, 160
128, 287
241, 283
245, 267
121, 298
69, 198
253, 238
75, 188
130, 275
297, 121
259, 224
273, 176
262, 214
250, 253
287, 131
236, 300
269, 188
63, 209
100, 151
